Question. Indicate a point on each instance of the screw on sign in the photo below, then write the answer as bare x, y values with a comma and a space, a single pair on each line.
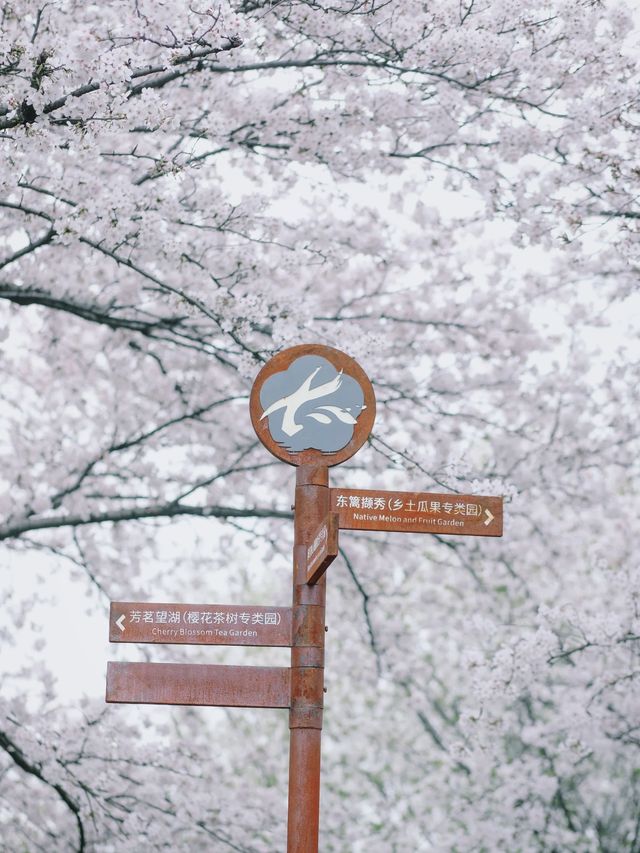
313, 407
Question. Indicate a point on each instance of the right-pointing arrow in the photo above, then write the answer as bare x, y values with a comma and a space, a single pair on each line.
489, 518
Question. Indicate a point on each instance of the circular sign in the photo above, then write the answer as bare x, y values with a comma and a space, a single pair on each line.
312, 404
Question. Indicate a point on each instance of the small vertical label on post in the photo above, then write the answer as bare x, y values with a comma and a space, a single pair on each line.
323, 548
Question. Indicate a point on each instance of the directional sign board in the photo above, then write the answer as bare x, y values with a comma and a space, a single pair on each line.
323, 548
199, 684
207, 624
418, 512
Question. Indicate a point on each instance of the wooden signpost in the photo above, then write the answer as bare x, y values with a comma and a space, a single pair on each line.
313, 407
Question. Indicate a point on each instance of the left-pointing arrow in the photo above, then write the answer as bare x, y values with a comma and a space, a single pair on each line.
119, 622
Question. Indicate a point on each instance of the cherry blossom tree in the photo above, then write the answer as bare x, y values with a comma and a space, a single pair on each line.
446, 191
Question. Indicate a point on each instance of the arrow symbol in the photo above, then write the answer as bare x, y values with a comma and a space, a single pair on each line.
120, 620
489, 518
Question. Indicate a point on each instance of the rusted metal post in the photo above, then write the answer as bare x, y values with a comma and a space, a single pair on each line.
307, 666
283, 415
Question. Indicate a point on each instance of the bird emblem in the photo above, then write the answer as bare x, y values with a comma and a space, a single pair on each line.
291, 404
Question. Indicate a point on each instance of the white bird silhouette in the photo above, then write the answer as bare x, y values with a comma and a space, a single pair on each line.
292, 402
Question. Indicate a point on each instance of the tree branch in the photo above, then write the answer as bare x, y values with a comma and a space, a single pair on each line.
168, 510
192, 56
365, 609
94, 313
618, 214
21, 760
47, 237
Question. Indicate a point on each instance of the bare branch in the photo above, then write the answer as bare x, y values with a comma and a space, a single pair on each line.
21, 760
167, 510
365, 609
47, 237
93, 313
